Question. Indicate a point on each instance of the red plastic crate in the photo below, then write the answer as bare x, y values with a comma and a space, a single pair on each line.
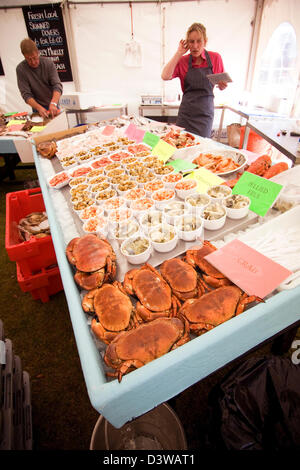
34, 254
41, 286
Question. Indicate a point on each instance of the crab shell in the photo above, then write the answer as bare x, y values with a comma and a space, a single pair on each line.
135, 348
210, 274
153, 292
181, 277
215, 307
113, 309
89, 253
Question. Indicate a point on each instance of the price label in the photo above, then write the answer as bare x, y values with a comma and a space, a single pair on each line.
182, 165
163, 150
130, 131
108, 130
261, 192
205, 179
150, 139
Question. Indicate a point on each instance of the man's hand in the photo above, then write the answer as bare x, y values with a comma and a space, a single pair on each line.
43, 112
53, 110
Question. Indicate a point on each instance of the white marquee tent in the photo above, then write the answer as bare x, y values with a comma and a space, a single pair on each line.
251, 36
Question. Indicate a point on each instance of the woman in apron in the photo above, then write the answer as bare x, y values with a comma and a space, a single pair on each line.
196, 112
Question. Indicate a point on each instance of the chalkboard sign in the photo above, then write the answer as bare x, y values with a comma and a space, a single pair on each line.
45, 26
1, 68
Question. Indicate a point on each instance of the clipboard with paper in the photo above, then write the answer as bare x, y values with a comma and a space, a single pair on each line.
215, 78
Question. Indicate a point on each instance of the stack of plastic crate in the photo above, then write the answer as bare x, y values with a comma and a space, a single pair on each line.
15, 399
36, 264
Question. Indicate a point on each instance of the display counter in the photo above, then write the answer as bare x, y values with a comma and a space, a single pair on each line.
160, 380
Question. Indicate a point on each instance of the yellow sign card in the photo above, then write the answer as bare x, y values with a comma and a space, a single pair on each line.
37, 128
163, 150
13, 122
205, 179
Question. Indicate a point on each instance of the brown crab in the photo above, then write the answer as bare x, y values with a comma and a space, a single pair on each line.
113, 310
215, 307
135, 348
154, 294
181, 277
94, 259
211, 275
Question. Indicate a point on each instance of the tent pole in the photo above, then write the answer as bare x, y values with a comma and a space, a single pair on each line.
254, 44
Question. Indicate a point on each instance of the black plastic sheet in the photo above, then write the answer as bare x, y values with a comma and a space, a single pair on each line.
257, 407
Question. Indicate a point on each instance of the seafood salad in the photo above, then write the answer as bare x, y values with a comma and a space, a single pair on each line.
136, 246
219, 191
237, 201
214, 211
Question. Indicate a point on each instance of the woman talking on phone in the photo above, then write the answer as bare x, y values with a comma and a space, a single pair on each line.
196, 111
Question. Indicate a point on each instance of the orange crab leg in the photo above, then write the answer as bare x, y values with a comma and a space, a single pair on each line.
245, 299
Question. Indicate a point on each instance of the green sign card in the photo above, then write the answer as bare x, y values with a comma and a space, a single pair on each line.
261, 191
150, 139
181, 165
163, 150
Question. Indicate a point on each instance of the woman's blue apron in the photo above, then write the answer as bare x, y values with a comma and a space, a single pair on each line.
196, 111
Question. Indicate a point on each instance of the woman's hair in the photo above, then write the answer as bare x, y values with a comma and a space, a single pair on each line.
28, 46
199, 28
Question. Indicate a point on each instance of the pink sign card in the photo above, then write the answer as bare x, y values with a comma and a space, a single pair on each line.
108, 130
139, 135
254, 273
130, 131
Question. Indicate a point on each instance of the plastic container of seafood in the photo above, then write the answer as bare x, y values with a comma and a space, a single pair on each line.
151, 219
142, 206
125, 186
76, 181
164, 237
79, 189
123, 230
219, 192
114, 203
173, 210
161, 171
97, 225
197, 202
134, 194
237, 206
185, 187
139, 149
171, 179
36, 253
189, 227
119, 156
122, 215
94, 173
162, 197
81, 170
90, 212
137, 249
102, 196
101, 162
151, 186
97, 179
59, 180
214, 216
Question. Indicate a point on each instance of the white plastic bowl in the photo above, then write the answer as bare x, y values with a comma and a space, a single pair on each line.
150, 220
119, 215
189, 235
153, 186
191, 187
163, 247
114, 203
160, 203
216, 223
123, 230
90, 212
97, 225
133, 195
170, 180
222, 188
138, 258
200, 200
142, 206
236, 213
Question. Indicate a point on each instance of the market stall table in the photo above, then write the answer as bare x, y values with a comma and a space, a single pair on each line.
167, 376
79, 113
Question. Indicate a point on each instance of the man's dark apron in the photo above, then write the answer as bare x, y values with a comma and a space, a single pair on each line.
196, 111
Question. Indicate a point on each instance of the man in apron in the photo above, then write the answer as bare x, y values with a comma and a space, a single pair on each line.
196, 112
